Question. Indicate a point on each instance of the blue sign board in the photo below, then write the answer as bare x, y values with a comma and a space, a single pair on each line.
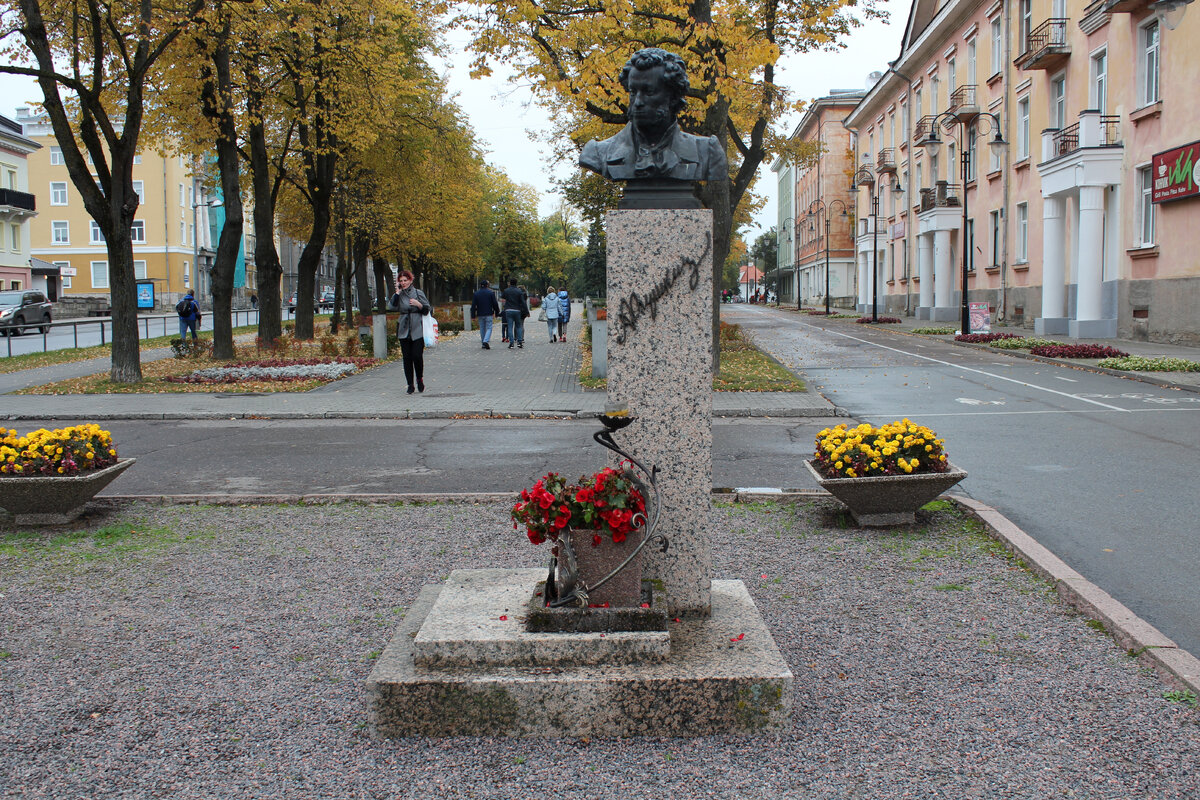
145, 294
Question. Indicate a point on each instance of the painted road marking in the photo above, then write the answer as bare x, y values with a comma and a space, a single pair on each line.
969, 369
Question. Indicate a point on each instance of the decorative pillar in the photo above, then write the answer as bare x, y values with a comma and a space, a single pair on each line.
1054, 259
1089, 322
944, 308
925, 273
864, 281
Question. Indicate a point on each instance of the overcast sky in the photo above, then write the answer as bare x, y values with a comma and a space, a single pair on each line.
503, 117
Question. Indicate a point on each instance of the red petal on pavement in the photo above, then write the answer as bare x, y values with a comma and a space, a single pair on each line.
738, 638
504, 617
764, 577
645, 605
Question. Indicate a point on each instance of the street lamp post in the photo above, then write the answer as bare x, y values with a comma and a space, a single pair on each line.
819, 205
865, 177
966, 130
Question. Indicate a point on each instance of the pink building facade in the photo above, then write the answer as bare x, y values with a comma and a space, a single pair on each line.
1078, 224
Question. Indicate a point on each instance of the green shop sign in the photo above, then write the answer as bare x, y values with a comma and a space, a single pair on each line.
1174, 173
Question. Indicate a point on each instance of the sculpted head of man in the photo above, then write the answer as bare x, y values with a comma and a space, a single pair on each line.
657, 83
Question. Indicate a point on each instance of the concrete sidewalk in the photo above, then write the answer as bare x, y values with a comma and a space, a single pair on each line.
461, 378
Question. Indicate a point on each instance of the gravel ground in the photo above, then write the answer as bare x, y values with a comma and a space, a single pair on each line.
220, 652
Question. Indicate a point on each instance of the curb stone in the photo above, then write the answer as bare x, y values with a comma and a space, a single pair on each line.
1174, 665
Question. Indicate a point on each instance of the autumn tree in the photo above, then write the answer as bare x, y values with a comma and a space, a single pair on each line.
93, 62
572, 55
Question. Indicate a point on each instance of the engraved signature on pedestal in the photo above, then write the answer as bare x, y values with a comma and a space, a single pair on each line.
636, 306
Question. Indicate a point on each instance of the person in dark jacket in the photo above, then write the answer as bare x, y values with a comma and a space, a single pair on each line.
564, 314
412, 304
483, 308
189, 315
516, 309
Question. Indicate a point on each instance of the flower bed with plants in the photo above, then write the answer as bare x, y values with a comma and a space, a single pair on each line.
899, 448
62, 451
1077, 351
304, 369
934, 331
607, 503
1023, 343
984, 338
869, 321
1143, 364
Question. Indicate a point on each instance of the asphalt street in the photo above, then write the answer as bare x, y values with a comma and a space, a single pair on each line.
1098, 468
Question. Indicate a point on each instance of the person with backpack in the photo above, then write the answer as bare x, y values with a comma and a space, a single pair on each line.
189, 315
564, 314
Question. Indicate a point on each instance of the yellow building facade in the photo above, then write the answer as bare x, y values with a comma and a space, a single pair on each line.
170, 231
1078, 225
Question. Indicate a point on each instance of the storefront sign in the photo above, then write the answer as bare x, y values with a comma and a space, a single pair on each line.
980, 318
1174, 173
896, 230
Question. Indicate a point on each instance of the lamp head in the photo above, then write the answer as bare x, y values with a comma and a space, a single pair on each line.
932, 143
1170, 12
998, 144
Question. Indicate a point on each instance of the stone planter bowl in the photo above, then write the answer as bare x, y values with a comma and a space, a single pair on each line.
54, 499
883, 500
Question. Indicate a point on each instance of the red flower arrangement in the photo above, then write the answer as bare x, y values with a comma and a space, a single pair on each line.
608, 503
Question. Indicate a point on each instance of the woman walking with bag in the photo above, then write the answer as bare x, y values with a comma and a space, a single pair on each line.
412, 304
550, 312
564, 314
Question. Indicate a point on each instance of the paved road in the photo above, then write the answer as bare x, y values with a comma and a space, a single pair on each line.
1100, 469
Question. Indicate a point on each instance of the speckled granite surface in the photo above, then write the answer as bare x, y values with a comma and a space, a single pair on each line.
724, 675
659, 363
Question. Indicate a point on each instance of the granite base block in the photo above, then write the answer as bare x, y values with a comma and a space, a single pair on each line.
480, 618
724, 674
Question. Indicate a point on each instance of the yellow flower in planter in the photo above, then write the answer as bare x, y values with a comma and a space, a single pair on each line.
898, 448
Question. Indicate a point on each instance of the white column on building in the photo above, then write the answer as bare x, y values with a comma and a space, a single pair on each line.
925, 270
881, 276
1054, 259
1089, 303
943, 286
864, 280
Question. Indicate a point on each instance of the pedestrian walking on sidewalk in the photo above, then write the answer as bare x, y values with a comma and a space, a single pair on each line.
412, 304
564, 314
550, 312
484, 308
516, 309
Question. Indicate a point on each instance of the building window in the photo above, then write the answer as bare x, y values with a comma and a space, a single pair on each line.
64, 270
95, 236
66, 281
58, 193
1058, 102
1149, 63
12, 179
1022, 232
997, 46
934, 87
14, 285
971, 53
137, 231
99, 274
951, 75
1023, 128
994, 218
60, 232
137, 158
56, 156
1025, 25
1145, 184
181, 198
140, 188
971, 150
917, 103
1098, 91
139, 270
14, 231
183, 233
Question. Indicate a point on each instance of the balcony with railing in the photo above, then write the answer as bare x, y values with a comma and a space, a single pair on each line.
963, 103
11, 199
941, 195
1045, 47
923, 128
885, 164
1093, 130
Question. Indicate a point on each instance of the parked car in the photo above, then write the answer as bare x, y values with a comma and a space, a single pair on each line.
21, 310
326, 300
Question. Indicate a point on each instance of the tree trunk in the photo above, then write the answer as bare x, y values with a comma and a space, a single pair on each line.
341, 280
362, 245
217, 101
266, 257
383, 283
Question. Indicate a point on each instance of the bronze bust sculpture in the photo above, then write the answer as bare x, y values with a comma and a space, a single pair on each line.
652, 148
